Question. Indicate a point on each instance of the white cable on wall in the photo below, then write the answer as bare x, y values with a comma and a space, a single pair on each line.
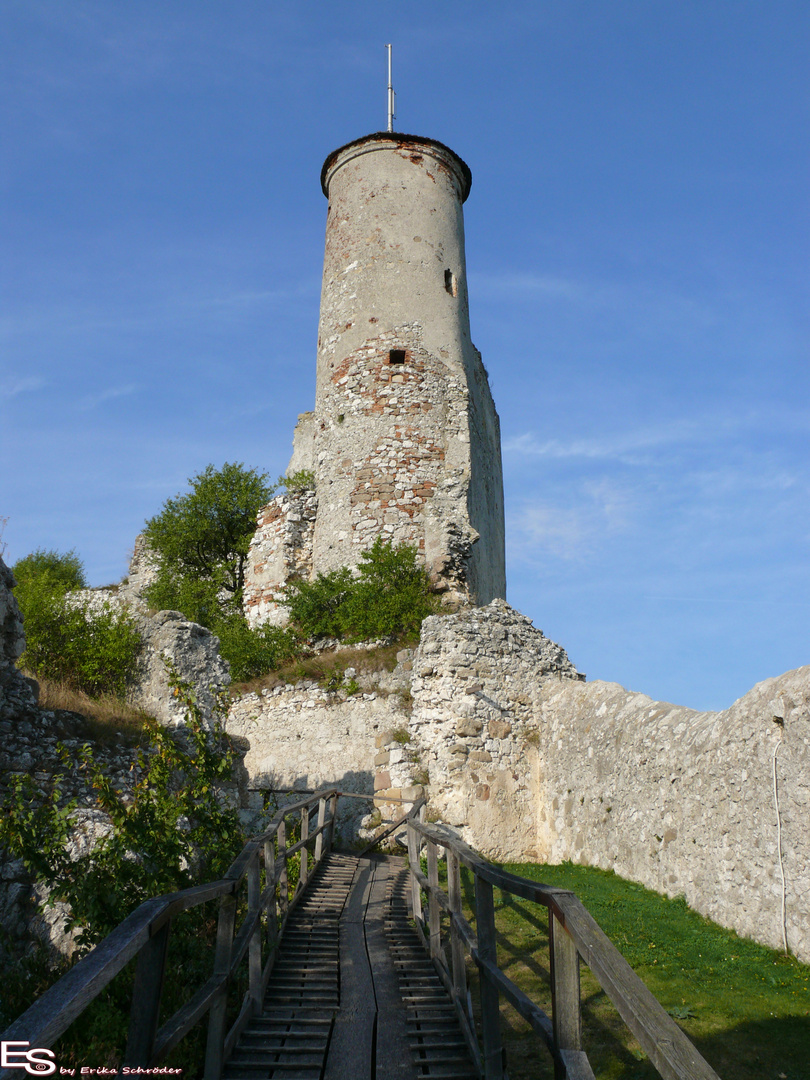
779, 845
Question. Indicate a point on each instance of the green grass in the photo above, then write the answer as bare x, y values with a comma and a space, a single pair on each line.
746, 1007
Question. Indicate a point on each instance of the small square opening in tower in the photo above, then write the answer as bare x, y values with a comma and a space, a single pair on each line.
450, 283
396, 356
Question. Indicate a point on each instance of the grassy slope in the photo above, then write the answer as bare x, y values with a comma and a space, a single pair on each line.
746, 1007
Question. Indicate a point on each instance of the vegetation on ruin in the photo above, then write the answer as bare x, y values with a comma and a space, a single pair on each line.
103, 719
201, 539
204, 534
173, 829
389, 597
92, 649
746, 1007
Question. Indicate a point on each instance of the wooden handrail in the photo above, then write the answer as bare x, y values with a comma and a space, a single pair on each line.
573, 935
145, 933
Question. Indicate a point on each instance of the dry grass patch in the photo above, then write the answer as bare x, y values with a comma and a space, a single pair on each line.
321, 667
106, 718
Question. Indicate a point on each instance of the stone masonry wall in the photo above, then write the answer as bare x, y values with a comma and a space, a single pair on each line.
281, 549
304, 737
475, 679
528, 762
392, 458
683, 801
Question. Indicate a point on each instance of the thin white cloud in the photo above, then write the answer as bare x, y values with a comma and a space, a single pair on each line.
92, 401
538, 529
15, 385
619, 447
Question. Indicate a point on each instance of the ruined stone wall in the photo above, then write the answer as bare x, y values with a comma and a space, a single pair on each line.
305, 737
682, 801
281, 549
528, 762
475, 684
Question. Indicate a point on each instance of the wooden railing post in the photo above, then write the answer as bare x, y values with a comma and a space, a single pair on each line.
332, 818
255, 989
321, 819
490, 1007
413, 859
270, 885
214, 1052
283, 877
566, 1013
434, 911
143, 1017
304, 871
456, 944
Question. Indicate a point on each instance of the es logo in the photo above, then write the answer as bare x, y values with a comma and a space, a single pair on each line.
38, 1061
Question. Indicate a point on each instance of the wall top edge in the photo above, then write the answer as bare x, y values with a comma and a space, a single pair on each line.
384, 140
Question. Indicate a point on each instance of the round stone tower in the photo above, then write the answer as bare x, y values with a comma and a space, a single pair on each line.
404, 440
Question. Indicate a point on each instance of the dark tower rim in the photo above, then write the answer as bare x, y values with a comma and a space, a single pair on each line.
400, 141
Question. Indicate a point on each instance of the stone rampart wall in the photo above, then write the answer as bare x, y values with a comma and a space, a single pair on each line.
527, 762
305, 737
682, 801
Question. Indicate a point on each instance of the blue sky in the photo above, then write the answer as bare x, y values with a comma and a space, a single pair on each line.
637, 260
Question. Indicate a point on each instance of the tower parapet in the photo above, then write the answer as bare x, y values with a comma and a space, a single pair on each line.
404, 440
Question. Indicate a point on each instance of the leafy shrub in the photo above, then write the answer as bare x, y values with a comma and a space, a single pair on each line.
254, 652
319, 607
299, 481
172, 828
173, 831
389, 598
63, 572
94, 650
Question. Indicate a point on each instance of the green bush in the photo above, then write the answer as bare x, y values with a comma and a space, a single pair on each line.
172, 829
299, 481
63, 572
318, 608
254, 652
94, 650
389, 598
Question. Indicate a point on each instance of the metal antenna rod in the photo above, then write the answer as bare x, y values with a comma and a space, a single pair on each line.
391, 95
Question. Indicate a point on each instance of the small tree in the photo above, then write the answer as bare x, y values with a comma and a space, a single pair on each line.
204, 535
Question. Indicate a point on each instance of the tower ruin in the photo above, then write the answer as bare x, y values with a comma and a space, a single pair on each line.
404, 439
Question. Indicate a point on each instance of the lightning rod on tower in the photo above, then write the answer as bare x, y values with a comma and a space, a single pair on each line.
391, 95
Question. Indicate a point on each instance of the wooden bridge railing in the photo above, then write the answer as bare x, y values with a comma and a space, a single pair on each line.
573, 935
263, 866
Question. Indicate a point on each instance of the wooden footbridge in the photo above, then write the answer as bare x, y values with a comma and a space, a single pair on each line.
358, 971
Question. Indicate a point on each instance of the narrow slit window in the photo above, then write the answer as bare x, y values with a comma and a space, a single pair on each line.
396, 356
450, 283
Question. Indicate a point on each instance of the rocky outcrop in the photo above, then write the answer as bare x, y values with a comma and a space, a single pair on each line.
174, 647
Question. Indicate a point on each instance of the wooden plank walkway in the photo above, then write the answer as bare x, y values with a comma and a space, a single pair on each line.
353, 995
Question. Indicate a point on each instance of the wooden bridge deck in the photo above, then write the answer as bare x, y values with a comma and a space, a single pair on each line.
353, 995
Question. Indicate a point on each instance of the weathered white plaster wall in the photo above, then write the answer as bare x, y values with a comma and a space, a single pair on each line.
306, 737
682, 801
